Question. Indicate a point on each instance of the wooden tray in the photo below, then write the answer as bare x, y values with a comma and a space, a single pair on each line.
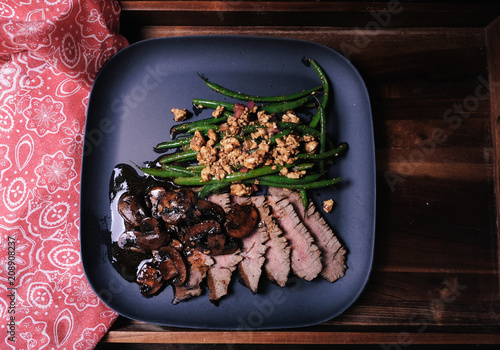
433, 74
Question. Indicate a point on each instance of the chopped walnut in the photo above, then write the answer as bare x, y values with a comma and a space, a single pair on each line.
228, 144
308, 138
218, 111
218, 170
295, 174
179, 114
205, 173
241, 190
255, 159
249, 144
235, 157
243, 118
292, 141
328, 205
264, 146
290, 117
212, 135
261, 132
207, 155
285, 150
310, 147
197, 141
263, 117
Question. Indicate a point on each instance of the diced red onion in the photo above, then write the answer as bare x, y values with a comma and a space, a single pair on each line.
273, 130
238, 110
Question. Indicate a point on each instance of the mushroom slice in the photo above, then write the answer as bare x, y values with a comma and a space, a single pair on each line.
153, 235
127, 241
210, 211
131, 210
172, 206
150, 279
172, 266
209, 237
241, 220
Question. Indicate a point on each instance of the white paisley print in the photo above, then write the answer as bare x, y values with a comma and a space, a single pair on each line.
50, 52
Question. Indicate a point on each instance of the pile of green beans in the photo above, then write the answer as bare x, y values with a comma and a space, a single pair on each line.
180, 166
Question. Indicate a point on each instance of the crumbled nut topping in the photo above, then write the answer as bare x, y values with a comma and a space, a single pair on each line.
197, 141
241, 190
179, 114
218, 111
328, 205
290, 117
207, 155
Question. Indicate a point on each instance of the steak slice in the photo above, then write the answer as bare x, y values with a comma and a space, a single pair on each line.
305, 255
222, 199
198, 266
254, 249
277, 257
219, 275
333, 253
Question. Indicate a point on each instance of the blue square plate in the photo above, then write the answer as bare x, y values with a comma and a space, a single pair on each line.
129, 113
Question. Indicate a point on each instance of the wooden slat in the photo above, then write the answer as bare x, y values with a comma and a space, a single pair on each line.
493, 44
201, 337
367, 15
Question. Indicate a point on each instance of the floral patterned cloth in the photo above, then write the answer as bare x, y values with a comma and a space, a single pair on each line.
50, 53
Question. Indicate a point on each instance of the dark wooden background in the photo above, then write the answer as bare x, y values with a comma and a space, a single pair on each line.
433, 75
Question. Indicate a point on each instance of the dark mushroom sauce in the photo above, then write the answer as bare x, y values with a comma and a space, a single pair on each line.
155, 225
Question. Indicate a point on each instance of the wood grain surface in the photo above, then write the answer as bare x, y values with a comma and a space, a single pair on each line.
433, 75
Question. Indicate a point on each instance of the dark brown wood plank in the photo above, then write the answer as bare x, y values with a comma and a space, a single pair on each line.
365, 15
493, 43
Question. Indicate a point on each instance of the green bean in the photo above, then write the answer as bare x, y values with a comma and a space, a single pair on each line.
196, 168
268, 108
322, 140
256, 98
203, 103
284, 106
342, 147
160, 172
207, 190
326, 90
303, 199
202, 128
179, 156
281, 179
173, 144
308, 186
238, 176
304, 129
179, 169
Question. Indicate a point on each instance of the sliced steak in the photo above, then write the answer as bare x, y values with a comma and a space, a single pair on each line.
333, 254
198, 267
277, 257
254, 248
222, 199
220, 273
305, 255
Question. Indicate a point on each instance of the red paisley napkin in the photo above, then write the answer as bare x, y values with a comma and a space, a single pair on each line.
50, 52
